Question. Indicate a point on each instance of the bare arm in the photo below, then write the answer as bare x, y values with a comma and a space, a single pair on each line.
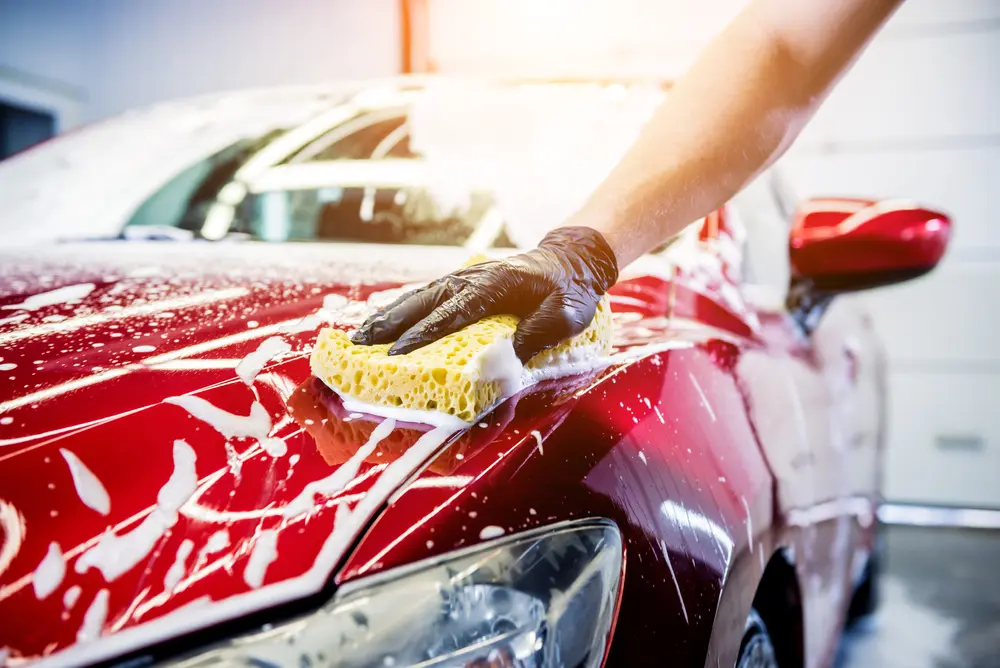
731, 116
734, 113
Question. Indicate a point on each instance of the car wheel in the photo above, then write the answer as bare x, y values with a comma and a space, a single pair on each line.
756, 650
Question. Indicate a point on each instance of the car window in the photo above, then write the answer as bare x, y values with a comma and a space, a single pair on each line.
408, 215
344, 185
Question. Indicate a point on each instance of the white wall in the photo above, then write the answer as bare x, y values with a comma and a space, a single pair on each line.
115, 54
918, 117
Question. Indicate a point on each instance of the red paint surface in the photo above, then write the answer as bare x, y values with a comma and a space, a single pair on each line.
685, 402
832, 238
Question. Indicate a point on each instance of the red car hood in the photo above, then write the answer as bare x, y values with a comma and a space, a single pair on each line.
118, 505
145, 489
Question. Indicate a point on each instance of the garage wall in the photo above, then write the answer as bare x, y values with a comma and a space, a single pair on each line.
918, 117
115, 54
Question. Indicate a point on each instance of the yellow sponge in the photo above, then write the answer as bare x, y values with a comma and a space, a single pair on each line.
449, 375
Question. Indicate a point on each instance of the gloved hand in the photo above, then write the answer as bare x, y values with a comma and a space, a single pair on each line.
554, 289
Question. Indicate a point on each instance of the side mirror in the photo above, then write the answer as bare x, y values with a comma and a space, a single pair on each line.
843, 245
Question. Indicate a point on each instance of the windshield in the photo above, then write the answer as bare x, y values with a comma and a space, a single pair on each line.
462, 165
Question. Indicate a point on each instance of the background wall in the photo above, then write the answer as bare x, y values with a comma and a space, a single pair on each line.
98, 57
918, 117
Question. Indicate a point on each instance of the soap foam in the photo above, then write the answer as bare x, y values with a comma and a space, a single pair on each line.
176, 570
251, 365
264, 552
115, 555
50, 572
65, 295
88, 486
256, 425
94, 618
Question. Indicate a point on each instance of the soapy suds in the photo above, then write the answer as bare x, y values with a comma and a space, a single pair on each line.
114, 555
251, 365
217, 542
6, 420
94, 618
88, 487
538, 437
7, 366
65, 295
143, 349
642, 456
499, 363
264, 552
336, 481
491, 531
14, 319
233, 460
333, 302
49, 573
71, 596
412, 415
256, 425
306, 324
176, 570
666, 557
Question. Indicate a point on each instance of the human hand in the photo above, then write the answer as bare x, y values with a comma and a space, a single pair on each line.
554, 289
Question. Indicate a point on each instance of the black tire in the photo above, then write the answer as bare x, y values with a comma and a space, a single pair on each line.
865, 599
756, 650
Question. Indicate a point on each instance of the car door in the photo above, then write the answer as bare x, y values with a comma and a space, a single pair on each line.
815, 400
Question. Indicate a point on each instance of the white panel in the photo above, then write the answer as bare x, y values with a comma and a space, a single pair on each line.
944, 439
915, 89
943, 13
950, 317
959, 182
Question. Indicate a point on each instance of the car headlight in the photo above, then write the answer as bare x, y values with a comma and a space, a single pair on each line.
541, 599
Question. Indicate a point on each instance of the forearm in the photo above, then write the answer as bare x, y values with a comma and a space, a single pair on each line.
734, 113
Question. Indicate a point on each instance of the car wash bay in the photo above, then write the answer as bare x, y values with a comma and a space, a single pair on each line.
918, 117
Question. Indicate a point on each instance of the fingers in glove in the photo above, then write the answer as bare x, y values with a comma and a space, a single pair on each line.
391, 321
459, 311
557, 318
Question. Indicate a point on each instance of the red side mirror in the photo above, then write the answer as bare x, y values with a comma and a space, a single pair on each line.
848, 244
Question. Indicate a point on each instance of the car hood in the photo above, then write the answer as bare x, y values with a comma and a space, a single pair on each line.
150, 488
140, 477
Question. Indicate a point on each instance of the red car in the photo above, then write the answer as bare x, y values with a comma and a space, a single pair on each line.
175, 487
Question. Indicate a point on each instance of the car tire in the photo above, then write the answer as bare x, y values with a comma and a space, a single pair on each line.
756, 650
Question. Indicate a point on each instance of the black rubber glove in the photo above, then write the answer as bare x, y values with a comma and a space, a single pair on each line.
554, 289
